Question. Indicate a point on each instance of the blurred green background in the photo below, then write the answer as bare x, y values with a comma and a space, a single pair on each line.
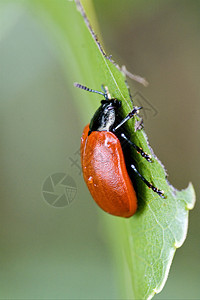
64, 253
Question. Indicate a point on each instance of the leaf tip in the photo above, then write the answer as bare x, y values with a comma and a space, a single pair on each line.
190, 196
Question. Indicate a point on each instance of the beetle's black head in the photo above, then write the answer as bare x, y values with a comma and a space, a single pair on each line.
105, 117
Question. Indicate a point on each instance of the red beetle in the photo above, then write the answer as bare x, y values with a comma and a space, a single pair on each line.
106, 167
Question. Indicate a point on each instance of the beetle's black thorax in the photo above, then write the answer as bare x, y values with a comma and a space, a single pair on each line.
106, 116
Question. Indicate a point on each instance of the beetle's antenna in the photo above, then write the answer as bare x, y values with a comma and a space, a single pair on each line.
83, 87
106, 91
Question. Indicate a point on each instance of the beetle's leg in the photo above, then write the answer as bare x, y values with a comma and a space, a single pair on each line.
156, 190
128, 117
138, 149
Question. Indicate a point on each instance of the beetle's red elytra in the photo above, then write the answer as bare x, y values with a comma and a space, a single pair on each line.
105, 173
105, 164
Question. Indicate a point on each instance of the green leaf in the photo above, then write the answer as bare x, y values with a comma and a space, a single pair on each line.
153, 236
148, 239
